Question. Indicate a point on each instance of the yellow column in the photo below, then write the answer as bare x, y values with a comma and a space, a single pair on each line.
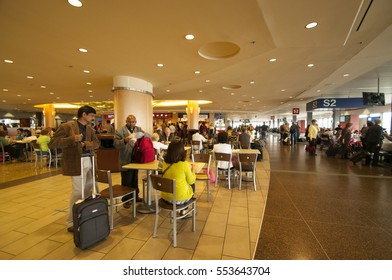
193, 111
133, 96
49, 114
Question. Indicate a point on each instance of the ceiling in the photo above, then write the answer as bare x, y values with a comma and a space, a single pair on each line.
130, 38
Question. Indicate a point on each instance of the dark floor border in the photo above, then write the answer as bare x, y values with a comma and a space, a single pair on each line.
29, 179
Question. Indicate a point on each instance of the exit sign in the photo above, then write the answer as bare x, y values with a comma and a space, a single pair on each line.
295, 111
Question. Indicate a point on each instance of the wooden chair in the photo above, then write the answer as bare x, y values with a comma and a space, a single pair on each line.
169, 186
205, 175
247, 163
39, 154
57, 156
3, 154
114, 193
222, 157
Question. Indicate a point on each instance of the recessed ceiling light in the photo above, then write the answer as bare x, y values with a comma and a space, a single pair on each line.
18, 95
90, 90
88, 83
346, 75
272, 60
5, 89
57, 97
290, 97
207, 81
82, 50
75, 3
86, 71
200, 90
51, 93
232, 93
311, 25
160, 65
197, 72
189, 37
91, 96
43, 86
310, 65
30, 77
252, 97
29, 99
168, 90
252, 82
8, 61
4, 100
282, 89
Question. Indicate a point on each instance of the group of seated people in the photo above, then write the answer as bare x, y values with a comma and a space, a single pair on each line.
17, 146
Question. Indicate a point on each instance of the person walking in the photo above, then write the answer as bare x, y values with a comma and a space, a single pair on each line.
78, 141
374, 139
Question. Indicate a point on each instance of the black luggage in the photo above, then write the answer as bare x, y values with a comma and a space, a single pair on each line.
333, 150
90, 218
361, 154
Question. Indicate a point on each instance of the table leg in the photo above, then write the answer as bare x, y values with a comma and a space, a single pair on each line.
147, 207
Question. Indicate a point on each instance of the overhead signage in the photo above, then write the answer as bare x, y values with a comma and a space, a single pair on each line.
295, 111
335, 103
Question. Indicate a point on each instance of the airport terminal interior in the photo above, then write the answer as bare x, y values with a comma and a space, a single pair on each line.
227, 65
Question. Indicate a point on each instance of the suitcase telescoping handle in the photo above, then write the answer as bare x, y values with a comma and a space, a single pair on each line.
94, 191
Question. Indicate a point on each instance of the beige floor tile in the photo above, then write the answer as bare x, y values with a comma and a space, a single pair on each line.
12, 225
42, 222
237, 242
254, 229
30, 240
89, 255
10, 237
115, 237
62, 236
228, 258
126, 249
155, 248
66, 251
221, 205
188, 239
5, 256
209, 248
39, 250
178, 254
216, 224
238, 216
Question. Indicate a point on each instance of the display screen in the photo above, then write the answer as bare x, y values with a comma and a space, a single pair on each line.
373, 98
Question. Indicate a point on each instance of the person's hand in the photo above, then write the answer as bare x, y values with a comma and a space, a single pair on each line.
78, 137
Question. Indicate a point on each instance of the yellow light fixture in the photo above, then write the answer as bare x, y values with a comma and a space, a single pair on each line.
175, 103
59, 106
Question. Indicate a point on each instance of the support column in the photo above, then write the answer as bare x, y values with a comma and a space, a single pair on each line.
133, 96
49, 114
309, 117
193, 111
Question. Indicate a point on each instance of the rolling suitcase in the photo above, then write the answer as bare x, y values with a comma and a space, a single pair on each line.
90, 217
361, 154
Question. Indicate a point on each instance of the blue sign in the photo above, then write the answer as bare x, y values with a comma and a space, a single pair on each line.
335, 103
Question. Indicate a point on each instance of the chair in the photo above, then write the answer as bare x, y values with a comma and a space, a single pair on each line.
115, 193
4, 155
39, 154
57, 156
204, 176
244, 145
169, 186
222, 157
195, 146
247, 163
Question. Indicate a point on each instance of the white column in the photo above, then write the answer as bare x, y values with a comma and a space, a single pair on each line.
133, 96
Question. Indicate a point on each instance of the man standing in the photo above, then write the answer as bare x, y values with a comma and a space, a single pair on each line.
124, 140
312, 134
78, 141
374, 138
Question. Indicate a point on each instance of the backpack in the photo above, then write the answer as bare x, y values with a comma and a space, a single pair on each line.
143, 151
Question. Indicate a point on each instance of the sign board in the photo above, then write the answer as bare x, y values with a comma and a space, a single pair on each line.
295, 111
335, 103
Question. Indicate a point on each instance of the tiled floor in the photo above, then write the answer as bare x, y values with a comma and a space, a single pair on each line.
34, 205
325, 208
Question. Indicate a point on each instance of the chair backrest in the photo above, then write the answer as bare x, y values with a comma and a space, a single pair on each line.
164, 185
245, 145
103, 176
247, 161
206, 158
195, 145
36, 145
222, 157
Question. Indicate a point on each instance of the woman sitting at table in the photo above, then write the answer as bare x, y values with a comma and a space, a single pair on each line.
14, 153
175, 167
44, 140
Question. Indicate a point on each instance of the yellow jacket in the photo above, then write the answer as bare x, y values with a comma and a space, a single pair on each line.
182, 173
313, 131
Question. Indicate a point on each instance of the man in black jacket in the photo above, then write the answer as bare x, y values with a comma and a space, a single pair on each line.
374, 138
